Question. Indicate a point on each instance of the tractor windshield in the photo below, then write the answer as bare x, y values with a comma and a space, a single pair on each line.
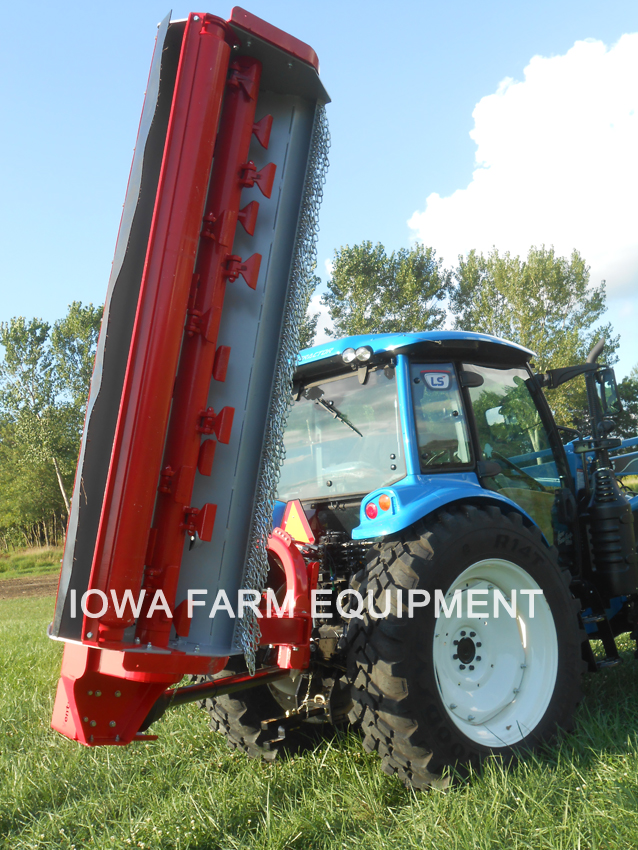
343, 437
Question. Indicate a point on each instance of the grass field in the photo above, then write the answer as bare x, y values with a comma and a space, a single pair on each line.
188, 791
30, 562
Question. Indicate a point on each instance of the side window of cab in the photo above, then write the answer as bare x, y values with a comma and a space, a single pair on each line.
441, 424
512, 436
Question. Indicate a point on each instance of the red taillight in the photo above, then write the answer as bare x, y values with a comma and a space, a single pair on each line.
371, 510
384, 502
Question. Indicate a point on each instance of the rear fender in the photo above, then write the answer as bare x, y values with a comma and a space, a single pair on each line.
416, 496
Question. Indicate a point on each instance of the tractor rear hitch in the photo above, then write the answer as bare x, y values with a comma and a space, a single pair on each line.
215, 688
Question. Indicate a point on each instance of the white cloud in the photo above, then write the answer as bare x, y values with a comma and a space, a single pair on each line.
556, 164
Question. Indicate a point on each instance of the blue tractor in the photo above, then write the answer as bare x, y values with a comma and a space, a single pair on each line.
468, 548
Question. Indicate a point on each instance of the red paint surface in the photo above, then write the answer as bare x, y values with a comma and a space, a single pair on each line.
199, 348
157, 335
286, 42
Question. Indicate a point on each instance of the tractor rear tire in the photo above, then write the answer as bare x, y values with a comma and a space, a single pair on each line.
431, 694
239, 718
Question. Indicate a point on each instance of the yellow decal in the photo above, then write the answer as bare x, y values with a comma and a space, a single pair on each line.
295, 523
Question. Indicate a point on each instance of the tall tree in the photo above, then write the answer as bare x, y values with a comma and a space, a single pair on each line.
370, 291
308, 330
73, 344
43, 387
543, 302
627, 421
32, 509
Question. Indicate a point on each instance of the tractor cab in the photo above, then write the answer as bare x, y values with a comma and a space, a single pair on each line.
419, 418
386, 429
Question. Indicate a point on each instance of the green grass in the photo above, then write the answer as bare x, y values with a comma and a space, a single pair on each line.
188, 791
30, 562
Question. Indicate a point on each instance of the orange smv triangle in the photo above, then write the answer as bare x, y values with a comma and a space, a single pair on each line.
295, 523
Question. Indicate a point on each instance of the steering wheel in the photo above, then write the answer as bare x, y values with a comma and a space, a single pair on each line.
436, 456
440, 449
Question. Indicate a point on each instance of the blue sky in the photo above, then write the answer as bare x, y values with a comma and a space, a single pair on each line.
405, 80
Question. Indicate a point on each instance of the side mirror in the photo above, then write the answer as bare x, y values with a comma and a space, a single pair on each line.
471, 379
608, 392
313, 393
572, 433
494, 416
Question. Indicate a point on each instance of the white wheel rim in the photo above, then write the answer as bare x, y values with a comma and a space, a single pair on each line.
502, 691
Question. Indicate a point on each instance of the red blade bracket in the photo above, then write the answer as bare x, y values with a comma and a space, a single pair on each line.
249, 269
205, 521
238, 78
220, 425
261, 130
248, 217
199, 521
264, 178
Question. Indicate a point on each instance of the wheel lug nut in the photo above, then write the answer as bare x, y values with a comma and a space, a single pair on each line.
472, 634
471, 666
478, 657
455, 642
455, 656
461, 666
462, 634
479, 644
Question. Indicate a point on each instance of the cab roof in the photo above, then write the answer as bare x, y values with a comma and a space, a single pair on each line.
435, 345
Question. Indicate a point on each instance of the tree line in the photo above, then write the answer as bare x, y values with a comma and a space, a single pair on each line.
543, 301
44, 381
